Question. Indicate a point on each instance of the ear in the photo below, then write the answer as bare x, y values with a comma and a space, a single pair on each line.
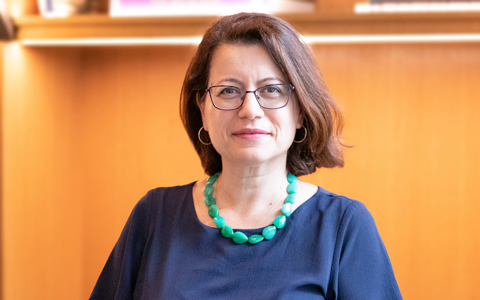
301, 118
201, 106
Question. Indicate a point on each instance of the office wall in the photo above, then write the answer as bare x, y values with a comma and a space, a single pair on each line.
412, 114
41, 208
87, 131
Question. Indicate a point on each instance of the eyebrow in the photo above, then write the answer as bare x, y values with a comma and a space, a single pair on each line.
270, 79
234, 80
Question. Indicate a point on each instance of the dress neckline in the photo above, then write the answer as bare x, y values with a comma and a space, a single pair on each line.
291, 218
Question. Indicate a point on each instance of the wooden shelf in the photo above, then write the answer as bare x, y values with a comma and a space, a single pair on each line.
102, 26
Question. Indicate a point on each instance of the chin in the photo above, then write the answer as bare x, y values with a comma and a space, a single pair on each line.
253, 157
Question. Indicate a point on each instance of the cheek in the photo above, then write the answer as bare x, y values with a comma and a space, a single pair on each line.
294, 117
209, 116
296, 113
201, 105
216, 120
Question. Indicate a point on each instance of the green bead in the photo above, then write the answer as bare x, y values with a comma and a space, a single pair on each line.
292, 188
291, 178
209, 200
290, 198
213, 211
219, 221
280, 221
255, 239
227, 231
239, 237
208, 190
287, 209
212, 179
269, 232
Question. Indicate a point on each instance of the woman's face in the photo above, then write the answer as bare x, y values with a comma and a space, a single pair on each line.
250, 135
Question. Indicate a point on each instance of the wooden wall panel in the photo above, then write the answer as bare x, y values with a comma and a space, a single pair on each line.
131, 137
42, 214
412, 114
88, 131
1, 171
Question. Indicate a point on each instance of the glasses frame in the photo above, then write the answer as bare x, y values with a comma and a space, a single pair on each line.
254, 92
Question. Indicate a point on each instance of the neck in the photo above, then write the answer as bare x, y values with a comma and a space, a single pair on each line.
250, 191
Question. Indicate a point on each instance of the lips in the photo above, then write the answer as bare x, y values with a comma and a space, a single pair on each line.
250, 133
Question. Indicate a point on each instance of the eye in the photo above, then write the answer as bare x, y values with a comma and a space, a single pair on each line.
274, 89
271, 91
229, 90
226, 92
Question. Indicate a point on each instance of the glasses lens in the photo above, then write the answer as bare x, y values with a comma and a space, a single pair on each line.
269, 96
226, 97
274, 96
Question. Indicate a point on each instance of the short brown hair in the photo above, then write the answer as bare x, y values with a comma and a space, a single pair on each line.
322, 117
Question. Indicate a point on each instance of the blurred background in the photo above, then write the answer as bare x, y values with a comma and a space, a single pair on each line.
87, 130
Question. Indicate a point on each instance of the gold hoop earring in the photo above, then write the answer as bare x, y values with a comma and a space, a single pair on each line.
200, 139
304, 137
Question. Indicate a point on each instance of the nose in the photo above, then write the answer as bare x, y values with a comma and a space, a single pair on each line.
250, 108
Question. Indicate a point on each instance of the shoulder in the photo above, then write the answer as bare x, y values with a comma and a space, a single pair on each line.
361, 268
360, 262
353, 214
165, 195
354, 224
161, 201
343, 215
352, 210
334, 214
344, 206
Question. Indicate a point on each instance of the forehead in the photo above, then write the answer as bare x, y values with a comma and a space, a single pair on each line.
245, 63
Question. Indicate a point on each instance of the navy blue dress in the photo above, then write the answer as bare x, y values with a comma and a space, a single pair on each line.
329, 249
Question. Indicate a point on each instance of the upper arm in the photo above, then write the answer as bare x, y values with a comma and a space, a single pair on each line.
364, 268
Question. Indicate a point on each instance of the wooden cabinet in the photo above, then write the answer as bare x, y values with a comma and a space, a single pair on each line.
88, 130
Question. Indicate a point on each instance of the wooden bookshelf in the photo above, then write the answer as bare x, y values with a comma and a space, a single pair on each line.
100, 26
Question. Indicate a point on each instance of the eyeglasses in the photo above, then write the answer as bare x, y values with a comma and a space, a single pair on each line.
272, 96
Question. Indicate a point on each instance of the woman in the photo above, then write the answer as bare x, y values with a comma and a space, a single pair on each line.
258, 114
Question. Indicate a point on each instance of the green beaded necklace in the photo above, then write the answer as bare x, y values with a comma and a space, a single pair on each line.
238, 236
